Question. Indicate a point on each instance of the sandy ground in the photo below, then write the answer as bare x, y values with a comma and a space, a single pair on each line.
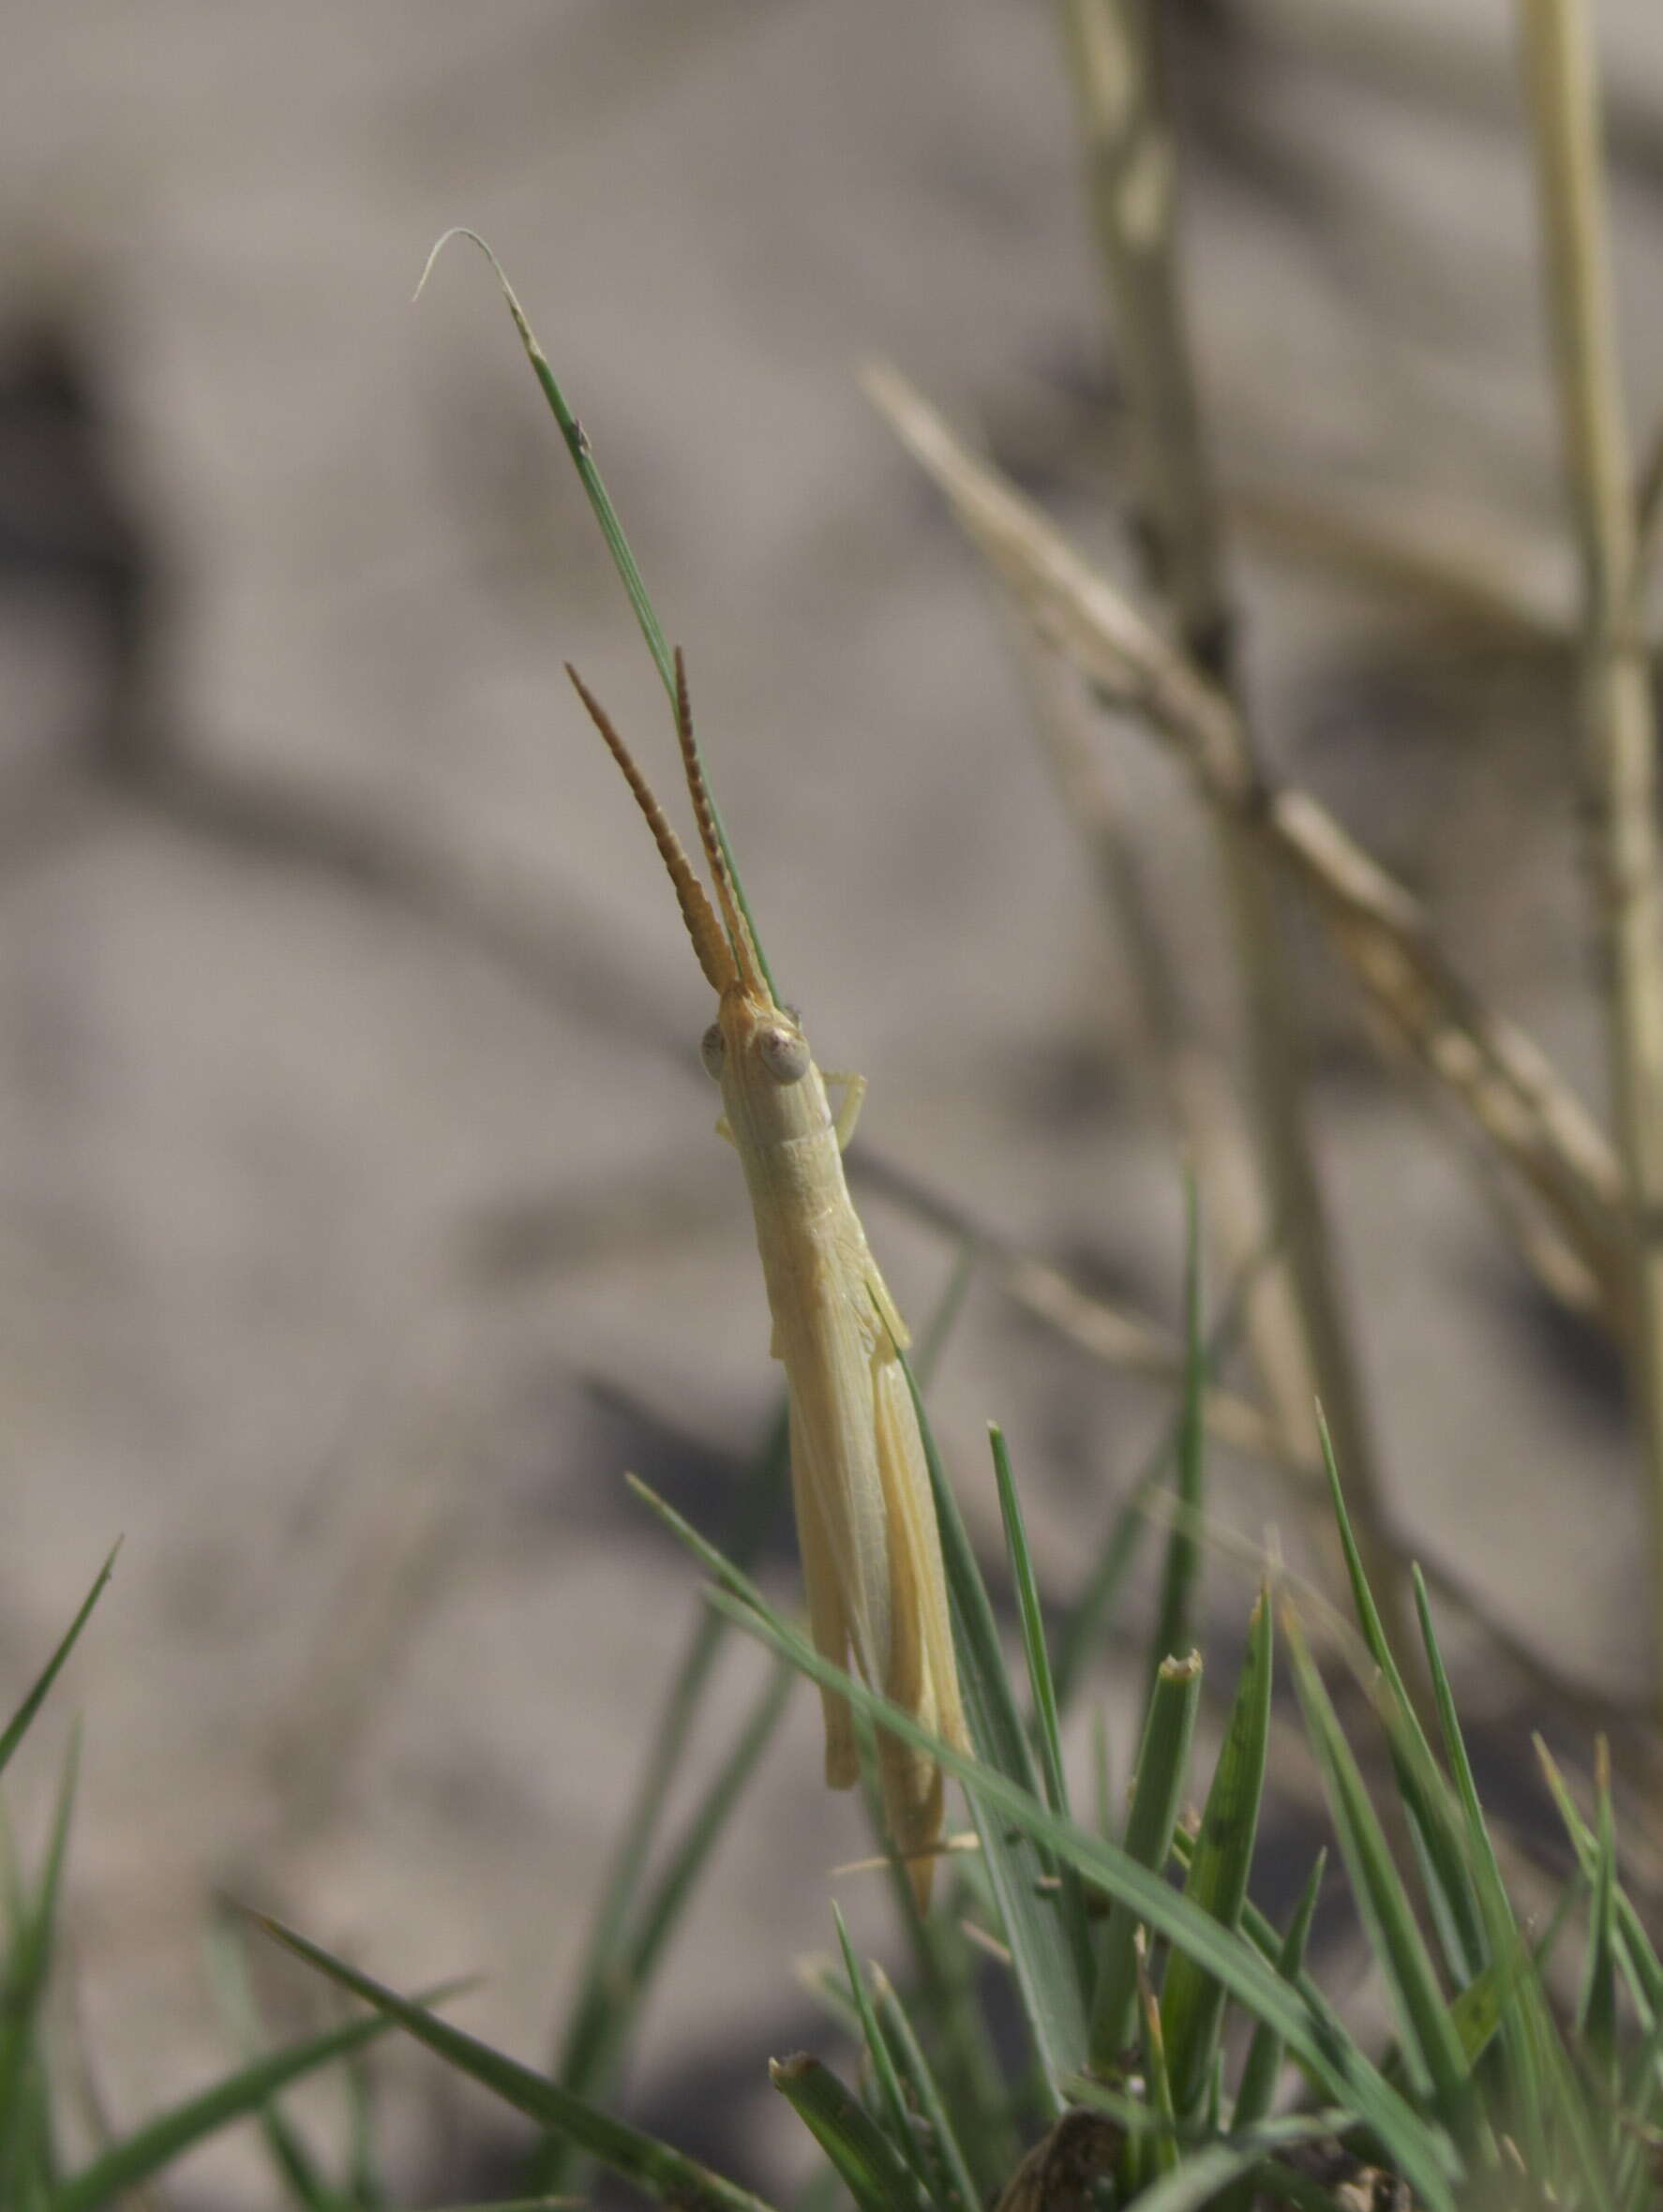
360, 1217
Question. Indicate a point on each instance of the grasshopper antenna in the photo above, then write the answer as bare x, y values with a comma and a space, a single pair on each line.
709, 944
739, 929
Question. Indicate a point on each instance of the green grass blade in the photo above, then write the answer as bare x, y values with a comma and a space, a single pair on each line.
1263, 2064
1174, 1629
1047, 1968
1433, 2049
1191, 2003
1596, 2006
1420, 1785
18, 1727
606, 515
1071, 1901
875, 2174
1314, 2034
1033, 1626
27, 1968
954, 2185
891, 2095
1163, 2144
1640, 1962
291, 2158
1163, 1763
1524, 2023
654, 2167
136, 2159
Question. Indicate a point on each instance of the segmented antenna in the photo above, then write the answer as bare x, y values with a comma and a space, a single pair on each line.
702, 926
739, 929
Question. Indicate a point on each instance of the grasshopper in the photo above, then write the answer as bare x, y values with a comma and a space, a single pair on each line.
865, 1517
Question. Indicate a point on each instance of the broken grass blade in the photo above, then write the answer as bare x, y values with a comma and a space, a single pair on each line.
1163, 1762
873, 2172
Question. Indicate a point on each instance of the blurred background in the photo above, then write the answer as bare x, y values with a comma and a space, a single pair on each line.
360, 1215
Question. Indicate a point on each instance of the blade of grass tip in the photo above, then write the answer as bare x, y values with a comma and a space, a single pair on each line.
1173, 1627
1417, 2147
26, 1971
655, 2168
606, 515
17, 1727
1597, 2008
1164, 1761
1071, 1899
1436, 2058
873, 2172
1085, 1624
1640, 1961
1524, 2026
1261, 2067
1192, 2002
1046, 1968
954, 2183
126, 2165
1420, 1785
891, 2096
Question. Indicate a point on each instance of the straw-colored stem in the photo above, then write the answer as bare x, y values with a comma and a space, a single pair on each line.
1619, 726
1501, 1080
1132, 168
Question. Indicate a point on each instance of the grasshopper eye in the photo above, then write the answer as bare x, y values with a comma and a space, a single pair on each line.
785, 1056
710, 1049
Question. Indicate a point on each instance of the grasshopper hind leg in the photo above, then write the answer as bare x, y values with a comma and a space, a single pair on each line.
827, 1618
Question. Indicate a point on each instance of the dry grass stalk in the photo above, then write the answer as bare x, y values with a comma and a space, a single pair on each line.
1619, 769
1133, 166
1502, 1082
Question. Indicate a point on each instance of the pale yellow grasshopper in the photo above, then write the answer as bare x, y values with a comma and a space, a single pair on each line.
865, 1517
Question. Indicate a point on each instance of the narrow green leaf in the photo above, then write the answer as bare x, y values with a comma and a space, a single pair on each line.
1163, 2143
1314, 2033
623, 561
1173, 1627
891, 2095
1263, 2063
290, 2158
1597, 2008
1523, 2018
1433, 2048
654, 2167
875, 2174
27, 1965
17, 1727
1421, 1787
1640, 1961
128, 2165
1071, 1901
1157, 1793
1191, 2003
1047, 1969
954, 2183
